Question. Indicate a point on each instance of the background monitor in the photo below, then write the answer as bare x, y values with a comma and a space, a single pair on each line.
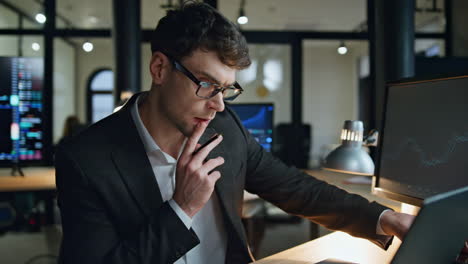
21, 109
424, 139
258, 119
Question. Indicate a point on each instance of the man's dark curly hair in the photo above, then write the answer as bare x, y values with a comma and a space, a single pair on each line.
198, 25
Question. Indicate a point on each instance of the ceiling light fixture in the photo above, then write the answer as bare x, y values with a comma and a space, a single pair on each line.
41, 18
342, 49
88, 46
35, 46
242, 19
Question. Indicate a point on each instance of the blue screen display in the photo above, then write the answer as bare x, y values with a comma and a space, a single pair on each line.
258, 120
21, 109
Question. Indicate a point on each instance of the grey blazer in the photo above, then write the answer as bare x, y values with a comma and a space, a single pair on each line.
112, 210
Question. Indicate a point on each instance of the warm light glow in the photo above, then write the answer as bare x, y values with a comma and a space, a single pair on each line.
243, 20
342, 50
88, 46
35, 46
348, 172
41, 18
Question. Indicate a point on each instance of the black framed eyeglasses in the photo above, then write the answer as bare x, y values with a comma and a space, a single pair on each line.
207, 90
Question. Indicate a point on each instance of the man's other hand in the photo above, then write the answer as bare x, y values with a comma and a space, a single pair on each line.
396, 224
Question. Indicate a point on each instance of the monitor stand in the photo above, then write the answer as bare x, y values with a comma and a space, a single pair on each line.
16, 168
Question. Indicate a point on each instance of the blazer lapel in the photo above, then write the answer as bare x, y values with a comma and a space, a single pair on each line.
130, 158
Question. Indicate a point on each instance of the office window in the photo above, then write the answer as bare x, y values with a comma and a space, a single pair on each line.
20, 14
268, 79
84, 14
8, 18
100, 97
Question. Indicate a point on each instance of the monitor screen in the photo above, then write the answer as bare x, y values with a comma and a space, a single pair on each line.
21, 107
424, 142
258, 120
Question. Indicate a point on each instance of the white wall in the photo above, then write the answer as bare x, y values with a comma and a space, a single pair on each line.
8, 44
102, 56
86, 64
145, 60
64, 85
8, 19
330, 92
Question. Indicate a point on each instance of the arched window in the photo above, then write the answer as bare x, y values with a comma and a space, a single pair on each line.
100, 98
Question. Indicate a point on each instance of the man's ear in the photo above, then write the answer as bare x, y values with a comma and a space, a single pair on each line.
159, 67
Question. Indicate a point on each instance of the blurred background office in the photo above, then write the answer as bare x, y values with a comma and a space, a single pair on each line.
318, 62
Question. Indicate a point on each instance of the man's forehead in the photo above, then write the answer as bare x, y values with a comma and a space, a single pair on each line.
215, 78
208, 64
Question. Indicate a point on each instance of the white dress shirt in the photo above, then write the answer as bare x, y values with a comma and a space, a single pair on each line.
207, 223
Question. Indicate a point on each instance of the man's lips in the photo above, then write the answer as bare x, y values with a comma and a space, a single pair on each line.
206, 120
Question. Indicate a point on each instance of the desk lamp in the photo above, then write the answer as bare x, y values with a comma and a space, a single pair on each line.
350, 157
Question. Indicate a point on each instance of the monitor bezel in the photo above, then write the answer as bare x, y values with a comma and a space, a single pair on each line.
376, 188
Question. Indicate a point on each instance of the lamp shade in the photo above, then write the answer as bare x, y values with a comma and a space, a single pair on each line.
350, 157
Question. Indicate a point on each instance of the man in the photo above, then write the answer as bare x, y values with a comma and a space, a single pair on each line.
136, 188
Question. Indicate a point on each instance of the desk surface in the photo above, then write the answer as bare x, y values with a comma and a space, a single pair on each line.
365, 190
35, 179
337, 245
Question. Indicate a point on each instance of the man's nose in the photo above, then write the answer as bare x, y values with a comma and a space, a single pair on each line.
217, 102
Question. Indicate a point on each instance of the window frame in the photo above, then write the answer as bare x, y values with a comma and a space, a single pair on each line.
90, 93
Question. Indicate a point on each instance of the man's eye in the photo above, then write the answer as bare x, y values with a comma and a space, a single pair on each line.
205, 84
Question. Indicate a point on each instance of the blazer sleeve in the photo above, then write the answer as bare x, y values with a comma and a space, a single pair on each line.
303, 195
89, 235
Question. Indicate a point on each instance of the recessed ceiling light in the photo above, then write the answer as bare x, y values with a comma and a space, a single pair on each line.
242, 20
342, 49
40, 18
35, 46
88, 46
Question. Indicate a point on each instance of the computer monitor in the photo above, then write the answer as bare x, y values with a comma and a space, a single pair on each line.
424, 139
21, 110
258, 119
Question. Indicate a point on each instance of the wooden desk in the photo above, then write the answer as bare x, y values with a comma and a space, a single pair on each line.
339, 245
336, 245
35, 179
39, 180
365, 190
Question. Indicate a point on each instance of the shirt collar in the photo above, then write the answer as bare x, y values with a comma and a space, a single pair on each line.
151, 147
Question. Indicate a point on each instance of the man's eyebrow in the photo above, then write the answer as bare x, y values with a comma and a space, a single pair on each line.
214, 78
